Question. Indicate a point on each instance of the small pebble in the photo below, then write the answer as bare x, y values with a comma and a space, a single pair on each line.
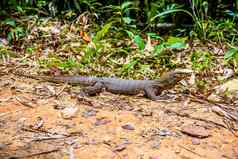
128, 127
101, 122
2, 146
156, 145
164, 132
120, 147
89, 113
195, 141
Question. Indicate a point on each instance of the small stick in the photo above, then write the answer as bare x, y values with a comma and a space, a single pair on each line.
195, 118
191, 151
37, 154
23, 103
6, 100
11, 112
61, 90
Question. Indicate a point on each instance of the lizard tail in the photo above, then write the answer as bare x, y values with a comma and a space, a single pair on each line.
37, 77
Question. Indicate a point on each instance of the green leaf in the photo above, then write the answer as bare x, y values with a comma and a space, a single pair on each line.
9, 21
159, 49
127, 20
169, 11
126, 5
231, 53
231, 13
201, 60
176, 43
130, 34
155, 36
129, 66
10, 36
19, 9
139, 42
100, 34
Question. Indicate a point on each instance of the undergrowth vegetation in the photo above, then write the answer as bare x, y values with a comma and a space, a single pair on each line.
129, 39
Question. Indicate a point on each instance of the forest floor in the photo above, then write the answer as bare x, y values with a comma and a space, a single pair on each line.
47, 120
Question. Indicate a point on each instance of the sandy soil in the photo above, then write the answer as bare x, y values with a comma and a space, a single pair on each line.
46, 120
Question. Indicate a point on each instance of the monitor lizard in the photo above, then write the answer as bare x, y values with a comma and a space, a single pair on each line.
151, 88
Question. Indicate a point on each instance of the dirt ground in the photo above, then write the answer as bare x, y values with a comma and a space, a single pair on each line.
46, 120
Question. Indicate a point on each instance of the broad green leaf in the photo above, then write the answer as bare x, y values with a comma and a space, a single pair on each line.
10, 36
19, 8
176, 43
100, 34
231, 53
9, 21
159, 49
155, 36
139, 42
231, 13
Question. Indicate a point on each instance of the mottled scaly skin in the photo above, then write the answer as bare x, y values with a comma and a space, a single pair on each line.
151, 88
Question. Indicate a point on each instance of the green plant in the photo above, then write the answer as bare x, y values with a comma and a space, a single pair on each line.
121, 13
232, 55
200, 17
96, 46
224, 31
12, 30
67, 64
165, 12
136, 39
86, 5
128, 68
176, 43
201, 60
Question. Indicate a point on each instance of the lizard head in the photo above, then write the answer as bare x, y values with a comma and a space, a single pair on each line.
169, 79
180, 74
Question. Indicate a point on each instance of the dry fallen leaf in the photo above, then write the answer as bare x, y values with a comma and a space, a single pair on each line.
69, 112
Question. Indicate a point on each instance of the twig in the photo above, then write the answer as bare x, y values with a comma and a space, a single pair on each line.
37, 154
6, 100
42, 131
11, 112
206, 101
61, 90
226, 108
52, 137
23, 102
192, 151
194, 118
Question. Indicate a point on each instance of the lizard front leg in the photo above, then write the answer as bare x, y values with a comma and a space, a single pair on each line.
92, 90
153, 93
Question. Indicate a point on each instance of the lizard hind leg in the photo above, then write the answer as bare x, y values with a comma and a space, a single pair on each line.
92, 90
153, 93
